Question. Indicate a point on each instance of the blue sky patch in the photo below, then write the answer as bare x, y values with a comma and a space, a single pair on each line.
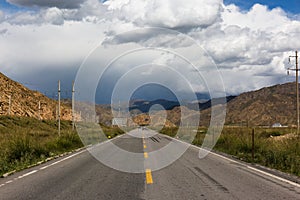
291, 6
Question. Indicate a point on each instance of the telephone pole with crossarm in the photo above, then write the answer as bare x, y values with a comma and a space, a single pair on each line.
297, 86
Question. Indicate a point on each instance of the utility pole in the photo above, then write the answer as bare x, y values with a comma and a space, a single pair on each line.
252, 148
9, 104
297, 86
73, 105
59, 107
119, 114
40, 110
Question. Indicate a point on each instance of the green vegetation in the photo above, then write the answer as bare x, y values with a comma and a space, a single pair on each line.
172, 131
26, 141
277, 148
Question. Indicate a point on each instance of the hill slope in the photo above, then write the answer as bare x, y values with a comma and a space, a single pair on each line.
265, 106
25, 102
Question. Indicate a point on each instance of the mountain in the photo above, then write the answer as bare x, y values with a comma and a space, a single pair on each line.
263, 107
144, 106
207, 104
269, 105
15, 99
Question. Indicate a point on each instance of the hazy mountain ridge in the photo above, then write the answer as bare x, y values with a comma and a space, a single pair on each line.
144, 105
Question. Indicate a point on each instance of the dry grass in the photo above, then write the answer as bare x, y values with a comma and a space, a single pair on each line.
278, 148
25, 141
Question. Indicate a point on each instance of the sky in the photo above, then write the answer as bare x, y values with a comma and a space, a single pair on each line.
291, 6
236, 46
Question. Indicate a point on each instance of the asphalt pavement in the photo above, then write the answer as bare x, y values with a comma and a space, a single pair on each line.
148, 172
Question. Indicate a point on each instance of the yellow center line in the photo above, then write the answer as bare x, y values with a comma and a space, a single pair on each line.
145, 146
149, 179
145, 154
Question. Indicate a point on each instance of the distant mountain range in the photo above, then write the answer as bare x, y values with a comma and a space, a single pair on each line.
144, 105
267, 106
264, 107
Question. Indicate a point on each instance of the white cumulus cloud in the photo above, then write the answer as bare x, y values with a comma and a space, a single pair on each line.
47, 3
249, 47
168, 13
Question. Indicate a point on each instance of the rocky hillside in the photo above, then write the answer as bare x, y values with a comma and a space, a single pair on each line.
265, 106
25, 102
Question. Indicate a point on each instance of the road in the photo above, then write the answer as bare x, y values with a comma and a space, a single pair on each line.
81, 176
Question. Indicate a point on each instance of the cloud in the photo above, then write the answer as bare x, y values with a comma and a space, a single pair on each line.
89, 11
249, 47
50, 15
259, 17
251, 41
70, 4
174, 14
33, 47
3, 31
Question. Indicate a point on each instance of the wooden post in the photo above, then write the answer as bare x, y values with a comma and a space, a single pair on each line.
40, 110
253, 144
9, 104
73, 106
59, 108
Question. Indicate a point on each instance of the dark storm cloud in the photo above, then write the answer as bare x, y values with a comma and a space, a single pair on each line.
70, 4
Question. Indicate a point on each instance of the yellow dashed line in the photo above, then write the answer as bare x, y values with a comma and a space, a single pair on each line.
145, 154
149, 179
145, 146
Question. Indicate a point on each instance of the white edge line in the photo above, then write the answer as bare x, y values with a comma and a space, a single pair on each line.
45, 167
7, 182
274, 176
27, 174
245, 165
59, 161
